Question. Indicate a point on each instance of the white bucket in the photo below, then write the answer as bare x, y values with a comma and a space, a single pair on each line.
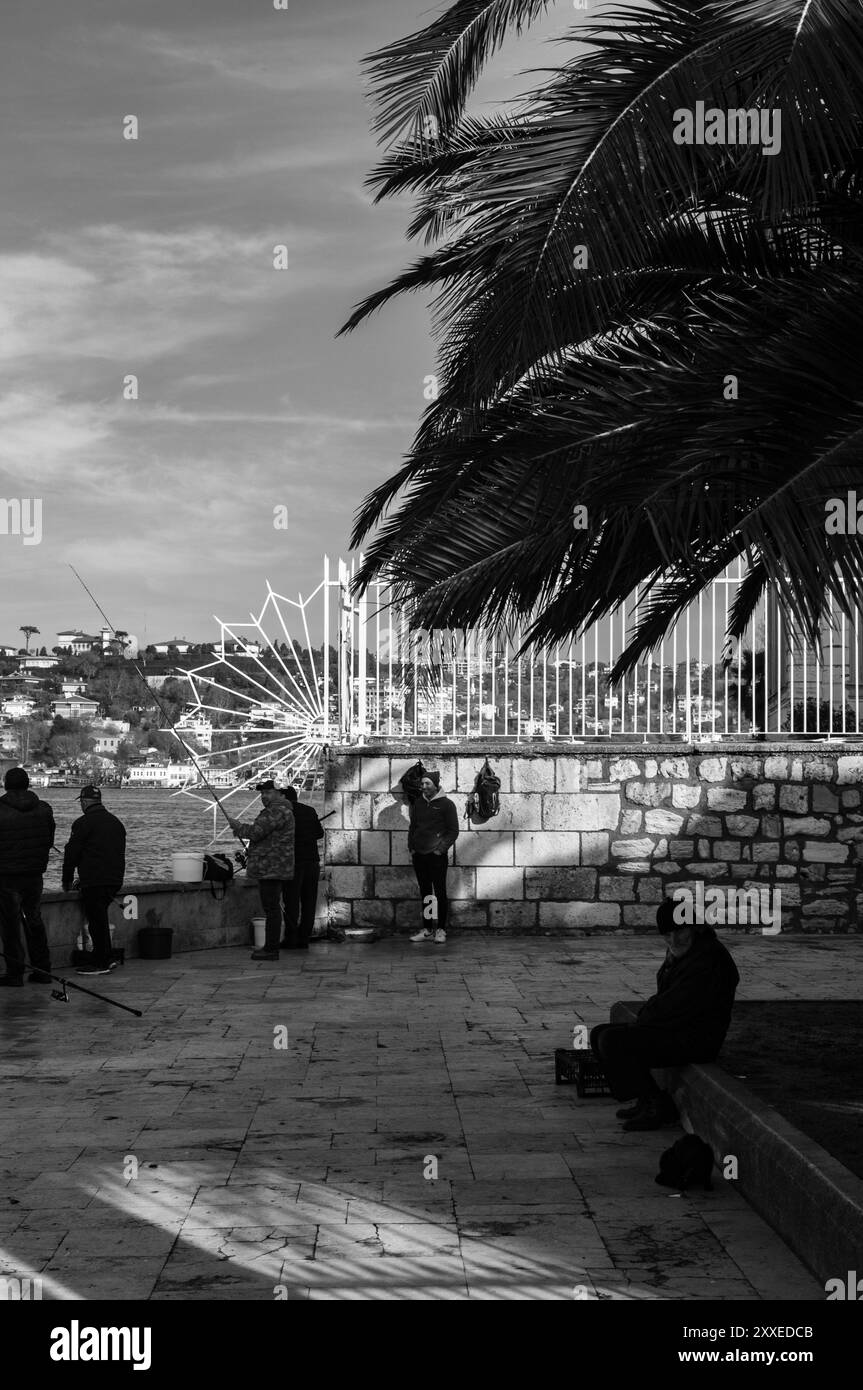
187, 868
259, 927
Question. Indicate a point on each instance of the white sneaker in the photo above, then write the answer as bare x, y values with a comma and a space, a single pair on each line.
440, 936
424, 935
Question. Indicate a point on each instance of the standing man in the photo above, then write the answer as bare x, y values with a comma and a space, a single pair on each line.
271, 859
433, 831
97, 850
26, 838
300, 893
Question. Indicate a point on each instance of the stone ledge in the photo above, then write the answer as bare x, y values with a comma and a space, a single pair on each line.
809, 1198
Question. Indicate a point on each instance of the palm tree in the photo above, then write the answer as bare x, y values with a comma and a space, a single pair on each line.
666, 334
28, 632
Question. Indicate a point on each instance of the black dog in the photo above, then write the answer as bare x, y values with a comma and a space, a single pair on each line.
689, 1160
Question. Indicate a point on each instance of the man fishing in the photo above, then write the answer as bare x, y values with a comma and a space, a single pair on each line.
270, 859
26, 839
97, 850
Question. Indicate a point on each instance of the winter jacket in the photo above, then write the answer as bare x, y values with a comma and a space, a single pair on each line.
695, 993
307, 831
26, 833
271, 841
433, 825
97, 849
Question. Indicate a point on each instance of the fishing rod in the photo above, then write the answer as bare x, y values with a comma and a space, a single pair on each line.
61, 995
165, 713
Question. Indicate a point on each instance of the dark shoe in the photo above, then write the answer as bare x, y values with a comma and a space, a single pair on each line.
658, 1112
93, 970
265, 955
38, 977
11, 979
629, 1112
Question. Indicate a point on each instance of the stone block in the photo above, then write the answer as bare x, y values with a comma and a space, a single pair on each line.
516, 813
818, 769
614, 888
785, 870
409, 914
580, 915
357, 811
399, 852
395, 883
849, 799
647, 793
374, 846
639, 915
662, 822
557, 883
671, 867
491, 848
533, 775
726, 849
705, 849
634, 866
849, 769
703, 825
651, 768
724, 799
764, 796
342, 846
570, 775
820, 853
461, 883
590, 811
338, 913
823, 799
744, 768
389, 812
629, 849
742, 825
375, 775
651, 890
500, 882
771, 827
765, 853
796, 769
467, 916
594, 769
594, 847
674, 767
776, 769
681, 849
826, 907
794, 799
792, 852
713, 769
343, 773
686, 796
515, 917
378, 913
622, 769
349, 882
546, 847
630, 822
806, 825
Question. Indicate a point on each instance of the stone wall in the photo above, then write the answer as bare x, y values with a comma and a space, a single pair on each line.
591, 840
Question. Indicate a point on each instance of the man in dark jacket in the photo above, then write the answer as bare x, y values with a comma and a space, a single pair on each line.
433, 831
685, 1021
300, 893
26, 838
97, 849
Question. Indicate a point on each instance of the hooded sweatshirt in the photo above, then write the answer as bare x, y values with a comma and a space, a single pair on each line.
695, 993
26, 833
433, 825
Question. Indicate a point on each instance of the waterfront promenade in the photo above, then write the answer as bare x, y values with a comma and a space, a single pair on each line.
189, 1155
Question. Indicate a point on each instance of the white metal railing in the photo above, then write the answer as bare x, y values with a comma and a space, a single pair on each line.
393, 683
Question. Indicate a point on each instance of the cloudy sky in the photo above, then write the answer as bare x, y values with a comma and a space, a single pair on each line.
155, 258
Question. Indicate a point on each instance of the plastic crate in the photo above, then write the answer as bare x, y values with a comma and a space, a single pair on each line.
579, 1065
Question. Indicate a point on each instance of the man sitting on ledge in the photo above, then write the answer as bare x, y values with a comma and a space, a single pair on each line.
685, 1021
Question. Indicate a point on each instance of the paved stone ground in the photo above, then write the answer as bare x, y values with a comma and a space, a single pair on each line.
302, 1168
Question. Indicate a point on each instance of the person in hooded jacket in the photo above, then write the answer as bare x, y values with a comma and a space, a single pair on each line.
684, 1021
433, 831
26, 839
270, 860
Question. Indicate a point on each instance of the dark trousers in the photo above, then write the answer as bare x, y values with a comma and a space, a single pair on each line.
627, 1051
430, 870
271, 890
20, 896
96, 898
300, 898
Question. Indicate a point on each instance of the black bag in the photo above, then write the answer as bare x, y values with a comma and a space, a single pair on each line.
218, 869
411, 782
484, 801
689, 1160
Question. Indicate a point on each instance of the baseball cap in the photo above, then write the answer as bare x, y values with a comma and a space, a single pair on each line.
265, 786
89, 794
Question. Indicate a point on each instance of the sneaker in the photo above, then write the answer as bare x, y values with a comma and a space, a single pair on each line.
424, 935
629, 1112
440, 936
38, 977
11, 979
265, 955
93, 970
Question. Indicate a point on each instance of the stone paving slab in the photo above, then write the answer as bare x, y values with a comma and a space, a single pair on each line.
408, 1143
